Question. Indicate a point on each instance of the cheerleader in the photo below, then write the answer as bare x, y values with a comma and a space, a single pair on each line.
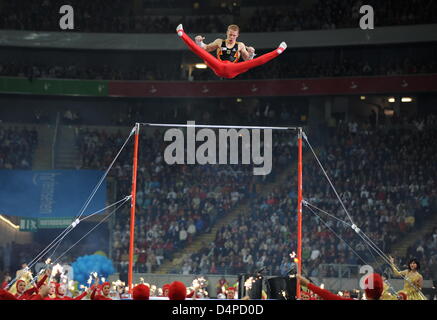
105, 289
413, 279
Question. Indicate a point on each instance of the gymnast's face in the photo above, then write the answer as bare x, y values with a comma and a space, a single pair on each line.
232, 35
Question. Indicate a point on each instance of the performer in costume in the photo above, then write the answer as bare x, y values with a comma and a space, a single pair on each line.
52, 291
230, 293
105, 290
5, 282
373, 292
387, 295
43, 293
165, 288
20, 288
194, 294
229, 52
222, 285
413, 279
23, 274
6, 295
60, 293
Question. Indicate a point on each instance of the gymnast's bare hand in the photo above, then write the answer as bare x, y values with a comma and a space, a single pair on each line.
250, 52
199, 39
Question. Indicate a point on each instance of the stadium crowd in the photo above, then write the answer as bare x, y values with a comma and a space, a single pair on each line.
425, 249
264, 237
174, 203
400, 203
340, 14
97, 16
385, 172
388, 190
394, 62
105, 72
17, 148
346, 67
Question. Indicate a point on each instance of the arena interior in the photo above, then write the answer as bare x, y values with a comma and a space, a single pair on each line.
95, 94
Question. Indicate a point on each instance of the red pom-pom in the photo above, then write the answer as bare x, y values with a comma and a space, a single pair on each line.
141, 292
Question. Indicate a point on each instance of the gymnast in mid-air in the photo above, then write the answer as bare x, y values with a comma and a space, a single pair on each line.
229, 53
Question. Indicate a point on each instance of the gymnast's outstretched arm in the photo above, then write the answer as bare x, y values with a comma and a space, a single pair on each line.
208, 47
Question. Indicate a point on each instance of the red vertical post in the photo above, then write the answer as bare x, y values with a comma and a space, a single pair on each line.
132, 208
299, 208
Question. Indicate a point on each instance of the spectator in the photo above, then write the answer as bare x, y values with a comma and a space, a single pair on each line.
17, 148
383, 211
120, 18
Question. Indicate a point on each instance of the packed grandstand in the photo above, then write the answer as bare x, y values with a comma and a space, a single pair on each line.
219, 221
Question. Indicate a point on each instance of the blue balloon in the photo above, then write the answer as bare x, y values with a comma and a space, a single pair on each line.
84, 265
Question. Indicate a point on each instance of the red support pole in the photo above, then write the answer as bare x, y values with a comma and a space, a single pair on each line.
299, 209
132, 208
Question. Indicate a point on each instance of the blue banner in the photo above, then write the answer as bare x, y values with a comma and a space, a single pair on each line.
50, 194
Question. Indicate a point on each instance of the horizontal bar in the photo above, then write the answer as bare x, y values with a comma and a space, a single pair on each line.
215, 126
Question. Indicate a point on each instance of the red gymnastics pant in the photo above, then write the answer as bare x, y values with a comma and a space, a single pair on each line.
227, 69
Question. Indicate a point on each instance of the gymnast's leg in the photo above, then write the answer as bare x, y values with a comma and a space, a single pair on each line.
238, 68
212, 62
223, 69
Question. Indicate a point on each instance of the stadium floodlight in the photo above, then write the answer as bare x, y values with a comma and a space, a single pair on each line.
389, 112
200, 66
